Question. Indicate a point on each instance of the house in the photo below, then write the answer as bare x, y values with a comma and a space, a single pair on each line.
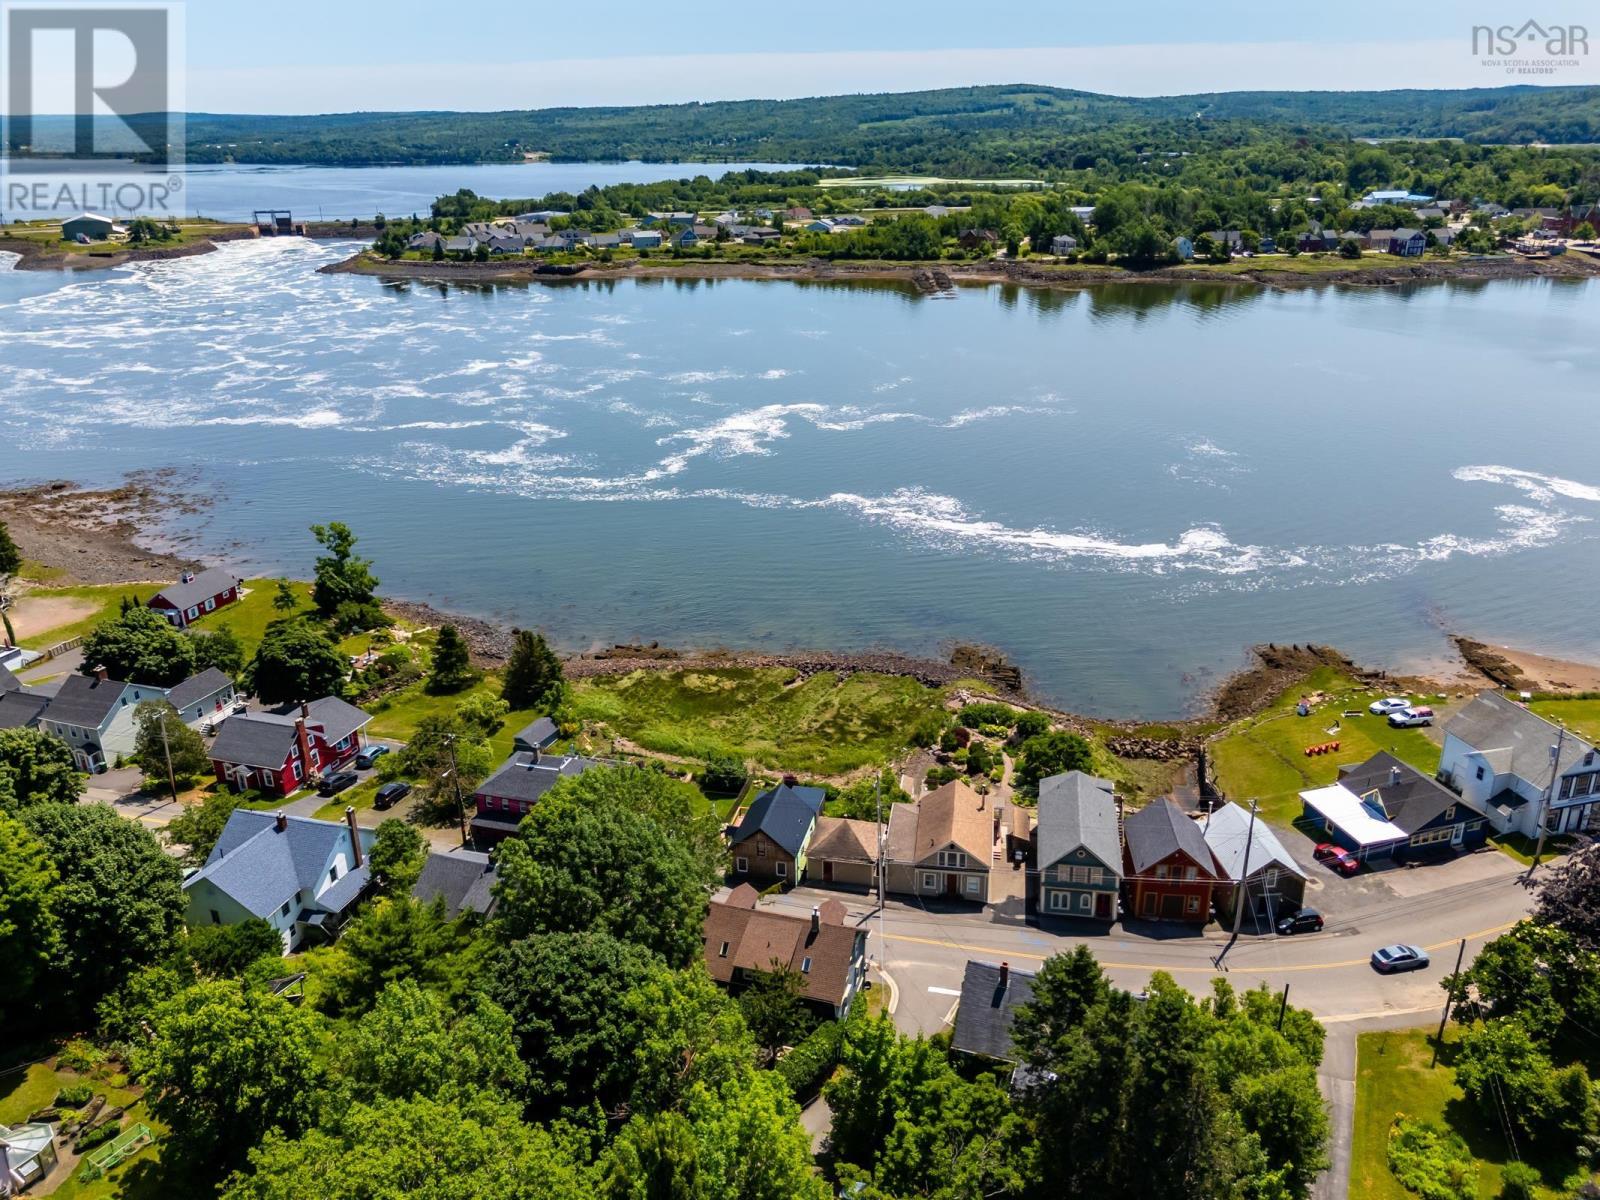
280, 752
1250, 855
760, 237
990, 997
530, 231
1230, 238
769, 845
1183, 248
604, 241
725, 220
843, 853
798, 213
202, 699
542, 216
93, 715
1267, 245
27, 1155
504, 243
22, 708
195, 595
1443, 237
643, 239
822, 225
1168, 871
510, 793
675, 219
936, 211
943, 844
1408, 243
298, 874
684, 236
1428, 813
1502, 759
1403, 197
464, 244
426, 242
538, 735
90, 227
463, 879
1432, 213
1078, 847
829, 956
1063, 243
978, 239
850, 221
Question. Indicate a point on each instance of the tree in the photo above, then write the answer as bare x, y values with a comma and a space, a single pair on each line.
227, 1065
295, 662
36, 768
1566, 896
394, 938
1051, 754
343, 581
121, 901
533, 672
1584, 232
283, 598
1349, 248
452, 666
861, 799
10, 564
724, 774
397, 855
162, 742
655, 1157
30, 934
224, 951
449, 755
198, 826
139, 647
774, 1008
751, 1145
219, 648
411, 1045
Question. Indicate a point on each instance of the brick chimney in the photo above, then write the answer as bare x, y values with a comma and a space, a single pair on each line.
355, 834
304, 739
1005, 975
101, 674
282, 822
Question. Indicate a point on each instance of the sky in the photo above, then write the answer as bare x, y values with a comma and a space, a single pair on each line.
300, 56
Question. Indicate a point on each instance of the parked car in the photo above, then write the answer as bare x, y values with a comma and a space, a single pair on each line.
1399, 958
1307, 920
369, 755
333, 784
390, 794
1406, 718
1337, 857
1390, 704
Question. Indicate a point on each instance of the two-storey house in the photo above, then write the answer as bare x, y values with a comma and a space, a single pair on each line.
769, 844
1169, 873
280, 752
1078, 847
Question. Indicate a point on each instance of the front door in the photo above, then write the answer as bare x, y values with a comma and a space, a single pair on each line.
952, 886
1455, 834
827, 871
1102, 906
1171, 907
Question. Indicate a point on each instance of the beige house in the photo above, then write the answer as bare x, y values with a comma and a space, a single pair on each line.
943, 845
844, 853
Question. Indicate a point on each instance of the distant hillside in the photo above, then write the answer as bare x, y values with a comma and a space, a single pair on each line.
957, 130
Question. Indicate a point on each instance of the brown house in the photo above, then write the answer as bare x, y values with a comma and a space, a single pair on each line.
829, 956
1169, 873
843, 853
769, 845
943, 844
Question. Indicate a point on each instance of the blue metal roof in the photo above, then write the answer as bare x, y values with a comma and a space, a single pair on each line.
785, 814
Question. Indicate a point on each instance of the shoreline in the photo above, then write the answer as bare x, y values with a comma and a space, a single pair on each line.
37, 256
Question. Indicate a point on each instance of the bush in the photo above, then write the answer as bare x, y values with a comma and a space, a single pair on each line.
723, 774
808, 1065
1032, 724
1519, 1181
975, 715
78, 1055
995, 731
1432, 1162
938, 775
97, 1135
74, 1096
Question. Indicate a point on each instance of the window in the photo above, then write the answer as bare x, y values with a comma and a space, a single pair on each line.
1450, 813
741, 865
1060, 901
1097, 875
952, 858
761, 847
1194, 904
805, 965
193, 613
972, 885
1080, 874
1161, 871
216, 917
284, 911
210, 604
722, 951
1189, 873
781, 870
930, 881
1271, 877
1084, 901
333, 872
1480, 772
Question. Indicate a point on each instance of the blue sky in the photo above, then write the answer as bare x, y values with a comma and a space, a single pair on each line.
312, 55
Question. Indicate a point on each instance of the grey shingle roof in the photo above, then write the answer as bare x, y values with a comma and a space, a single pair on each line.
1410, 798
254, 740
197, 688
983, 1021
20, 709
463, 878
8, 681
537, 735
1075, 810
1159, 829
526, 777
1491, 723
1228, 831
198, 590
785, 814
85, 701
262, 869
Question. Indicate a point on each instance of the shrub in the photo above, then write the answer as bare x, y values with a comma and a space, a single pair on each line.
995, 731
1032, 724
97, 1135
74, 1096
724, 774
1432, 1162
808, 1065
984, 713
938, 775
1519, 1181
78, 1055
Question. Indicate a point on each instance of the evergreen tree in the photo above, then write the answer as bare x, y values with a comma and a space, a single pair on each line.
10, 564
452, 666
533, 674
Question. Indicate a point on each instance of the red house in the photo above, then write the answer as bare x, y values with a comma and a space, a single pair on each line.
280, 753
1169, 873
195, 595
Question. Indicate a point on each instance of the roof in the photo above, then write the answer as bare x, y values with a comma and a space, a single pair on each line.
983, 1020
265, 739
951, 813
1229, 832
464, 878
529, 776
1491, 723
8, 681
262, 868
1351, 817
758, 938
202, 587
841, 838
1075, 810
1409, 798
785, 814
197, 687
1161, 829
21, 709
85, 701
538, 734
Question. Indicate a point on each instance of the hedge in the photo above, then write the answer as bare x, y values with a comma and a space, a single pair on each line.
808, 1066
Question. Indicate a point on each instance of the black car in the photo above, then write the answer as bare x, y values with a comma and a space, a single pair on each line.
390, 794
1307, 920
333, 784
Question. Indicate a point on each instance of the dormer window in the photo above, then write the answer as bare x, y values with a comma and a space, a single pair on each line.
722, 952
805, 965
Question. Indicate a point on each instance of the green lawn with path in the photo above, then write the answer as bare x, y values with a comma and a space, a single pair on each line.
1580, 716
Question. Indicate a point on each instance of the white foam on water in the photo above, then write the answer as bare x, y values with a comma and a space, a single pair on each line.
1542, 488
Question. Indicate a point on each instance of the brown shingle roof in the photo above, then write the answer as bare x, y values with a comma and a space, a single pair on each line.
843, 839
759, 938
953, 813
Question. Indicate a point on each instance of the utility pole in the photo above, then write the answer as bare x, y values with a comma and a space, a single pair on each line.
455, 785
166, 749
1283, 1007
1548, 799
883, 873
1449, 1001
1244, 885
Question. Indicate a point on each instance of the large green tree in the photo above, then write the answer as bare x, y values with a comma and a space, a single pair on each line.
139, 646
10, 564
397, 856
392, 939
452, 665
1051, 754
198, 826
36, 768
219, 648
343, 580
162, 743
30, 933
410, 1044
295, 662
227, 951
533, 672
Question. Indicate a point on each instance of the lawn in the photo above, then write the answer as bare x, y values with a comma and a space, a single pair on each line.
1580, 716
826, 725
1393, 1076
250, 615
106, 597
1263, 757
26, 1091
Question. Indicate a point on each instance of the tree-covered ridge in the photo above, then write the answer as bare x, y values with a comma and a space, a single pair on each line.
975, 130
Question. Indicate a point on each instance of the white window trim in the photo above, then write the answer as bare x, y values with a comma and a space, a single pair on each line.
930, 881
972, 885
781, 870
741, 865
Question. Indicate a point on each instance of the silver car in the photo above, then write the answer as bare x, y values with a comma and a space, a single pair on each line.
1392, 959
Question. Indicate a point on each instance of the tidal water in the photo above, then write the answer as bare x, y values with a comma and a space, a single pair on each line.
1121, 487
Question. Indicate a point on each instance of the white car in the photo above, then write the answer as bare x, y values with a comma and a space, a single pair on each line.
1408, 718
1382, 708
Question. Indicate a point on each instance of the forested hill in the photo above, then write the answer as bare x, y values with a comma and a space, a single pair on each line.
979, 130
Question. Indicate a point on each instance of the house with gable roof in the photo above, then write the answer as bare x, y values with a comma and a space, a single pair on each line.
1078, 847
280, 752
943, 844
510, 793
93, 715
828, 956
1503, 760
204, 698
195, 595
843, 853
1251, 856
769, 844
20, 705
463, 879
1169, 873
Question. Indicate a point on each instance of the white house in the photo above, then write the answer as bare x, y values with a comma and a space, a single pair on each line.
1503, 759
94, 716
298, 874
1063, 243
203, 699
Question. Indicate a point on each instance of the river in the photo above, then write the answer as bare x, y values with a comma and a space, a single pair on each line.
1121, 487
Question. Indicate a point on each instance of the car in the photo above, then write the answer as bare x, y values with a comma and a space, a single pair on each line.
1390, 704
1407, 718
370, 755
1337, 857
333, 784
1307, 920
391, 794
1399, 958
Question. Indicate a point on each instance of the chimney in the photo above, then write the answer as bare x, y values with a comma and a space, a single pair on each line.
816, 921
304, 741
790, 781
187, 577
101, 674
305, 710
355, 834
1005, 975
282, 822
1394, 776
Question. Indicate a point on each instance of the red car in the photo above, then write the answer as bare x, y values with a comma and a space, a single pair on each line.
1337, 857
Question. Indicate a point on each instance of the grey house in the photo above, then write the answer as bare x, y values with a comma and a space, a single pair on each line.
990, 996
1251, 856
537, 735
769, 846
1078, 847
204, 698
463, 879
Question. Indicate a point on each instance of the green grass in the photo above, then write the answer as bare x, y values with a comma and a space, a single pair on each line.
249, 616
1393, 1076
359, 798
1263, 757
1521, 848
1580, 716
37, 572
26, 1091
824, 726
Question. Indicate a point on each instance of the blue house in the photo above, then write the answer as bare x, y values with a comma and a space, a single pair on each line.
1078, 847
1384, 808
769, 846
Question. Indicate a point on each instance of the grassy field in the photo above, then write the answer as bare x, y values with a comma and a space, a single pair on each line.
1264, 757
825, 726
1580, 716
1393, 1076
28, 1090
